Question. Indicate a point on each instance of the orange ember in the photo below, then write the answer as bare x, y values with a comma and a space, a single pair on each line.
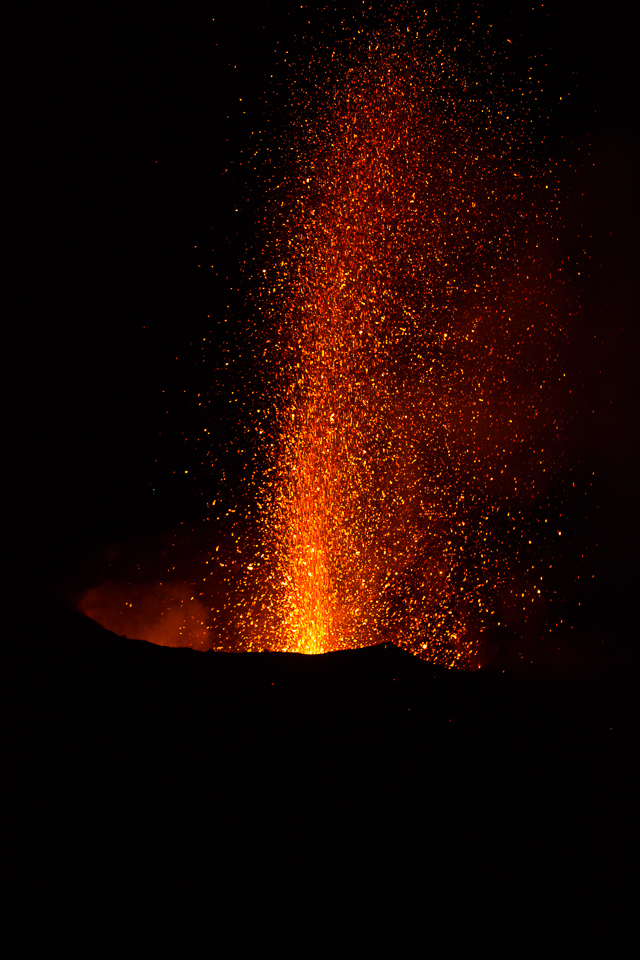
411, 378
415, 363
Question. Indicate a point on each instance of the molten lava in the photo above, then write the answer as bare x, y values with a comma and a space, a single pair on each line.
412, 358
415, 362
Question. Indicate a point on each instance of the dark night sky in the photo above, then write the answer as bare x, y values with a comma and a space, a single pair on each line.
143, 120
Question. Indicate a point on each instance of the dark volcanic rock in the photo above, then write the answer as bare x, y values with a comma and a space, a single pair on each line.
376, 716
357, 773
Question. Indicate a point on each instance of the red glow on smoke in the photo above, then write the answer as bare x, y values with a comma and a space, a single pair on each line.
166, 614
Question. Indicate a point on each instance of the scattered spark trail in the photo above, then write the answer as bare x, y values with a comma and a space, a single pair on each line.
411, 406
414, 361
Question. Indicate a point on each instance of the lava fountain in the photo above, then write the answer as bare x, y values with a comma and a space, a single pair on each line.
414, 358
411, 348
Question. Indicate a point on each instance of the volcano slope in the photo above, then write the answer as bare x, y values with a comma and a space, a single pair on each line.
251, 783
376, 720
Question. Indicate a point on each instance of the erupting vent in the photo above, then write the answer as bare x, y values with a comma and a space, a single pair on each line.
411, 354
416, 361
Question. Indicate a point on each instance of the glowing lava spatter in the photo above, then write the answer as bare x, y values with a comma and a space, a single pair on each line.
415, 361
411, 360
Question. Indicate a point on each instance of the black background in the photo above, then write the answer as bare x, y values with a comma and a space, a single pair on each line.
140, 207
150, 774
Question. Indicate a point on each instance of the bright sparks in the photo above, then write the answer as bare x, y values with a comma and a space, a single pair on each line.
413, 364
